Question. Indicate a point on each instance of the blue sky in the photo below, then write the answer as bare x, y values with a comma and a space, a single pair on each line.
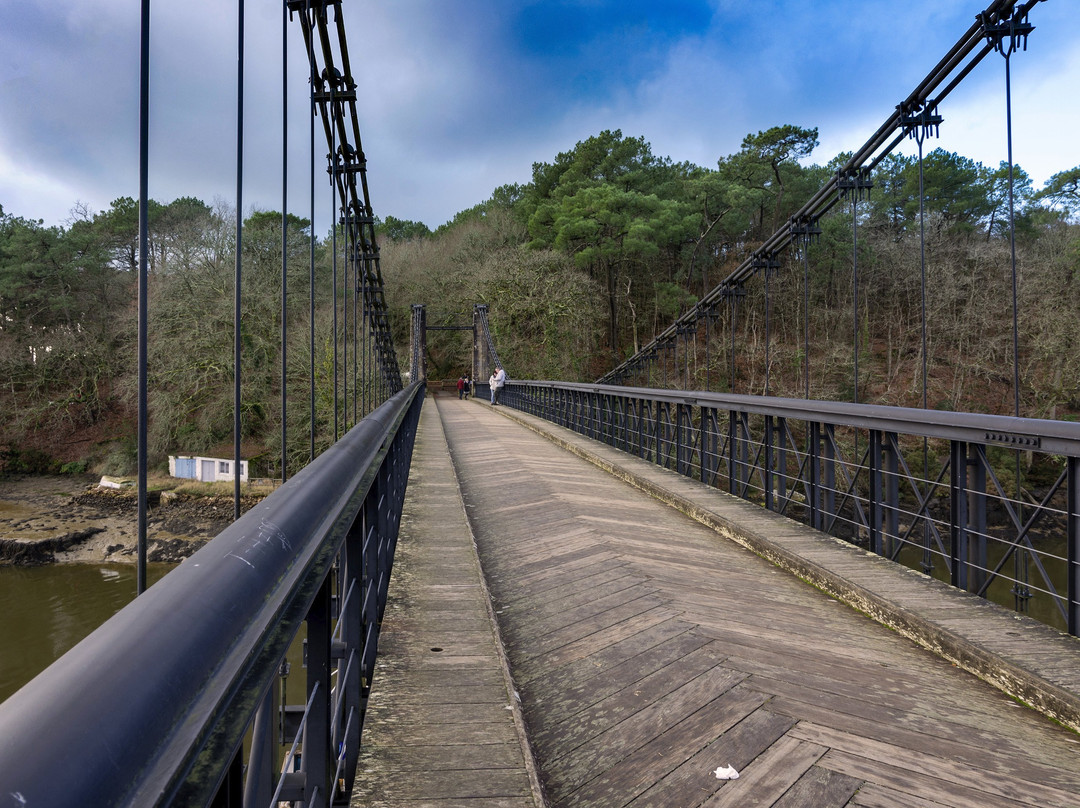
459, 97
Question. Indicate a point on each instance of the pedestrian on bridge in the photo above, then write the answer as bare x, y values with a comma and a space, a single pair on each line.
460, 387
468, 387
497, 382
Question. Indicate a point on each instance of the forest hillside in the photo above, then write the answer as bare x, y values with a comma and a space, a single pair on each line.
580, 267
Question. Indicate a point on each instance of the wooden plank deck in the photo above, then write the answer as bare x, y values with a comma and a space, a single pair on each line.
648, 651
440, 728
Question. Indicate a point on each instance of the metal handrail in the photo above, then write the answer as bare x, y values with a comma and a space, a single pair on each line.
152, 707
1053, 437
957, 63
846, 469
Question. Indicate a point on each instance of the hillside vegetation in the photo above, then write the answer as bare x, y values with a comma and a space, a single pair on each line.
580, 267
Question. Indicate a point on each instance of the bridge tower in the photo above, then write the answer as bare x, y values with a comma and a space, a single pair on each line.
418, 365
482, 366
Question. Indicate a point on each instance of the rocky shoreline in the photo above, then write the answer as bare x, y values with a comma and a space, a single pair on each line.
69, 519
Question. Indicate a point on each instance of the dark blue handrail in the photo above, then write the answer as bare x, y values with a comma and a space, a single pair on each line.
151, 709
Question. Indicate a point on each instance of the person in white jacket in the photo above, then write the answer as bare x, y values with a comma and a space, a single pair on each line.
498, 380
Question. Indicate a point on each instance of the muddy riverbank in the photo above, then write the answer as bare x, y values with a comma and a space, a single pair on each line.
69, 518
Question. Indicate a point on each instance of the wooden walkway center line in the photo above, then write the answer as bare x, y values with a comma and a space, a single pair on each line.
440, 728
652, 654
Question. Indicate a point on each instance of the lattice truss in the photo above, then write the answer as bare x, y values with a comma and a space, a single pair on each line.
335, 101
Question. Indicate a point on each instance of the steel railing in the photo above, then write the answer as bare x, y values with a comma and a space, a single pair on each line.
930, 489
153, 707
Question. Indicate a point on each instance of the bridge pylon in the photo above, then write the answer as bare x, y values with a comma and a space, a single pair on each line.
418, 365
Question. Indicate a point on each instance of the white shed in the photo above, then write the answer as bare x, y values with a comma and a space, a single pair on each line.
206, 469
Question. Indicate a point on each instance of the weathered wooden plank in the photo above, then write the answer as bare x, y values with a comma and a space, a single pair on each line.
552, 574
604, 660
821, 788
575, 592
577, 694
644, 767
871, 795
951, 776
436, 697
388, 668
604, 750
452, 784
965, 749
915, 784
767, 777
537, 624
694, 780
422, 757
590, 623
814, 658
453, 802
591, 644
419, 733
574, 730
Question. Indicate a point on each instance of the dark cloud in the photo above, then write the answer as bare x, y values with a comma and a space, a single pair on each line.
460, 98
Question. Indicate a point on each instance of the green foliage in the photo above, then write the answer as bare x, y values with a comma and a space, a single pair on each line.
543, 310
122, 459
402, 229
26, 461
672, 300
602, 249
767, 166
1063, 190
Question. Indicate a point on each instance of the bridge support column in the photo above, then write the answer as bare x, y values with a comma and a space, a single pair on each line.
418, 368
482, 366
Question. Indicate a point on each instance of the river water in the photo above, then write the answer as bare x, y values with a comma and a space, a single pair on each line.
44, 611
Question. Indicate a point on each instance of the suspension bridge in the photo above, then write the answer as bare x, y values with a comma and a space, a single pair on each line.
598, 594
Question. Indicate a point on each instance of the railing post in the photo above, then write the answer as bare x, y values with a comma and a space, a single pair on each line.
744, 469
231, 791
350, 679
733, 450
767, 476
892, 493
874, 470
316, 761
607, 420
369, 601
781, 474
682, 461
1072, 558
710, 446
639, 413
813, 496
261, 771
668, 426
381, 489
958, 516
976, 558
828, 505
